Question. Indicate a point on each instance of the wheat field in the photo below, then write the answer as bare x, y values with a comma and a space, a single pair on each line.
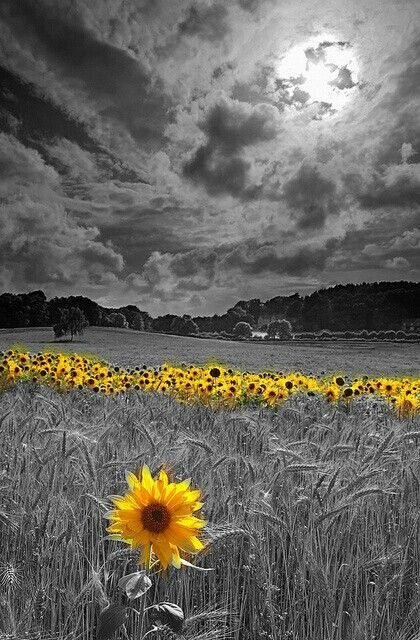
313, 516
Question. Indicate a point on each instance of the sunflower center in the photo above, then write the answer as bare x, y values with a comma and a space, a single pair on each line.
155, 518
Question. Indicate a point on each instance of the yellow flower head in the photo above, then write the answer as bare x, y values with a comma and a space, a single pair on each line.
157, 515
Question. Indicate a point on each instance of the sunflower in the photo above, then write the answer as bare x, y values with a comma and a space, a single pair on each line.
157, 515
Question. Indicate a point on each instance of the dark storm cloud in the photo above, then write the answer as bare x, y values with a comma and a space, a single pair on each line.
403, 192
251, 5
317, 54
40, 244
311, 197
398, 187
254, 260
138, 231
218, 173
37, 122
209, 23
106, 72
230, 126
173, 275
402, 105
376, 245
38, 116
343, 80
196, 261
233, 124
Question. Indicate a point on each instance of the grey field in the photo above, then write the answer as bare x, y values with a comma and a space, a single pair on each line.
131, 348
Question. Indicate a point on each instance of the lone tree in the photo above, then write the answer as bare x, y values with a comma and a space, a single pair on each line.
242, 330
72, 321
281, 329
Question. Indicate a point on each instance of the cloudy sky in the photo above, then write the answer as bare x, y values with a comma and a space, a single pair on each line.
184, 154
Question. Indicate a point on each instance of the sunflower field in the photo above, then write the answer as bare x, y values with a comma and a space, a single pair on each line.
212, 385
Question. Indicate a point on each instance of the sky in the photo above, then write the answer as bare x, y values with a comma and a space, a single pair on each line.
182, 155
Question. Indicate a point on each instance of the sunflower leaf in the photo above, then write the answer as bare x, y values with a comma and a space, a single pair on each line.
110, 619
168, 613
135, 584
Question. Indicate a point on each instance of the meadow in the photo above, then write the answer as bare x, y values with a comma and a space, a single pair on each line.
130, 348
313, 515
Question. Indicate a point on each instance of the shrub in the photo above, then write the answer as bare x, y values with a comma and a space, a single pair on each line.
227, 335
242, 330
281, 329
390, 335
325, 335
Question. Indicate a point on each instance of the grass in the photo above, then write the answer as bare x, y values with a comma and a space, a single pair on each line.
314, 515
130, 348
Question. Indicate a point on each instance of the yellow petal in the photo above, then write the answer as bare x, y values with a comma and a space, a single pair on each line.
142, 497
176, 558
146, 479
132, 480
163, 551
191, 522
124, 502
145, 554
141, 539
163, 477
182, 510
192, 545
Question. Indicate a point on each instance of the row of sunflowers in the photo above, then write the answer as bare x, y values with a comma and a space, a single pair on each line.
213, 385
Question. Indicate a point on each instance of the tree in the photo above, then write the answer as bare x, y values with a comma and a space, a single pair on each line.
137, 323
242, 330
163, 324
280, 329
91, 310
117, 320
184, 326
71, 321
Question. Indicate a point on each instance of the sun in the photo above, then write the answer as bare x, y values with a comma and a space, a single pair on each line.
321, 70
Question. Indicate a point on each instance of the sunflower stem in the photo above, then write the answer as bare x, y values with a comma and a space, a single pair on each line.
143, 600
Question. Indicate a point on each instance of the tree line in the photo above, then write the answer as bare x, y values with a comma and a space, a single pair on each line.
366, 307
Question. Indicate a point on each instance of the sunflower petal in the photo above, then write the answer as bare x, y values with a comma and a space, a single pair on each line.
132, 480
176, 558
146, 479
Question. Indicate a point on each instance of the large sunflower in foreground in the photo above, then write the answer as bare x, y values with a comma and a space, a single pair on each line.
157, 515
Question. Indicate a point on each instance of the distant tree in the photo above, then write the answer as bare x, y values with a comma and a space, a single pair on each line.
280, 329
242, 330
117, 320
162, 324
12, 311
184, 326
137, 323
71, 321
190, 327
139, 320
